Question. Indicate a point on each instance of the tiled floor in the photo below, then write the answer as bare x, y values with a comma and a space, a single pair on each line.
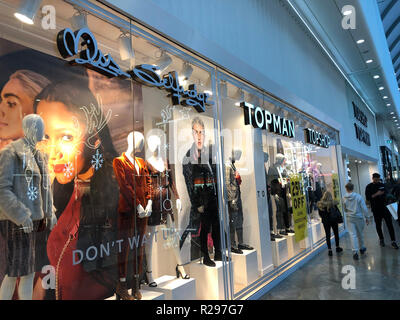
377, 273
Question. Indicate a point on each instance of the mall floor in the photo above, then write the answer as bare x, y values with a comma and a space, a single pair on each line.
377, 273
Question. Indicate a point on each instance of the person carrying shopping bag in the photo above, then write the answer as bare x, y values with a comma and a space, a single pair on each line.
356, 212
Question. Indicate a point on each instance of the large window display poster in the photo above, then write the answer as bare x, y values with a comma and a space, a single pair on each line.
299, 207
67, 143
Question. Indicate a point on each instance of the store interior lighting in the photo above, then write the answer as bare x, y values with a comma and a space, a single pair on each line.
126, 51
79, 20
186, 72
208, 86
27, 11
238, 96
163, 62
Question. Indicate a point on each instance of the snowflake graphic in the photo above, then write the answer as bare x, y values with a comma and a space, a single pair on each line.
32, 193
97, 161
68, 169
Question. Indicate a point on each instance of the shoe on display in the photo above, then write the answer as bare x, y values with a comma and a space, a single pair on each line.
272, 238
362, 251
278, 236
236, 250
382, 243
339, 249
121, 292
290, 231
245, 247
394, 245
330, 253
208, 262
355, 256
218, 257
283, 233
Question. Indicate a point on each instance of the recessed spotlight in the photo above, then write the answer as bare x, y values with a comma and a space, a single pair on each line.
360, 41
388, 105
27, 11
385, 97
369, 61
381, 88
394, 117
376, 76
392, 112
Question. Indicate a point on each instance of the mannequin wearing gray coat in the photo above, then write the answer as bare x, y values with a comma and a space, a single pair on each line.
25, 205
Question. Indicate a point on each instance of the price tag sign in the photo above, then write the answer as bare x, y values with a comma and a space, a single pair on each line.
299, 207
336, 190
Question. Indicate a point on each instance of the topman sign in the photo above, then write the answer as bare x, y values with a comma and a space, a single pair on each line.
263, 119
83, 44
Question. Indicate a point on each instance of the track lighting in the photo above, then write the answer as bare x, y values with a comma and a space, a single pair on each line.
125, 47
186, 72
163, 62
27, 11
79, 20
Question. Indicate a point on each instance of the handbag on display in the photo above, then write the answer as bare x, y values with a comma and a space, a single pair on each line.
393, 210
335, 216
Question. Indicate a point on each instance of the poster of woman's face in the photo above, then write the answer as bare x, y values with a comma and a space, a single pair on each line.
87, 117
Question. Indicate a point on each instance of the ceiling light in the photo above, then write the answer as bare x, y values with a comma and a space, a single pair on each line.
388, 105
186, 72
376, 76
369, 61
27, 11
360, 41
385, 97
163, 62
392, 112
125, 47
394, 117
79, 20
381, 88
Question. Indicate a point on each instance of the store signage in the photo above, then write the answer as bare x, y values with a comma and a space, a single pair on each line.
317, 138
359, 115
260, 118
82, 43
362, 135
299, 203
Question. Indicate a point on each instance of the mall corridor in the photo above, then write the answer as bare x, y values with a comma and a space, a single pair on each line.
377, 273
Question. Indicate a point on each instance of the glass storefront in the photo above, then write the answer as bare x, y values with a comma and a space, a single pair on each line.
132, 169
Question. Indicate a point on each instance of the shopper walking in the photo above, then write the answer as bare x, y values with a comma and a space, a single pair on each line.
325, 205
356, 212
375, 193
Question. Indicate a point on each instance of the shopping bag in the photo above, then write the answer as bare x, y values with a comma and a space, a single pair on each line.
393, 210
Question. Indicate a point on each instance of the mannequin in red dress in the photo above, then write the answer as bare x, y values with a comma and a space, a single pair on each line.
134, 208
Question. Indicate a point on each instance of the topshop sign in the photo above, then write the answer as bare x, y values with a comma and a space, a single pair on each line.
83, 44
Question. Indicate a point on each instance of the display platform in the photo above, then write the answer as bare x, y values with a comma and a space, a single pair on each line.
293, 246
211, 286
175, 288
245, 267
316, 229
279, 251
146, 295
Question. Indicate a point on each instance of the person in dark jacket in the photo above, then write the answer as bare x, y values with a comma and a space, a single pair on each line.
200, 175
375, 193
324, 206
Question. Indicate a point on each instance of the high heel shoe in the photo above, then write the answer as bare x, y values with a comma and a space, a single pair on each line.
179, 273
150, 284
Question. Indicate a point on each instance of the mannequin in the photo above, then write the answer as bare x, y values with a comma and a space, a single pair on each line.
26, 206
162, 186
135, 191
233, 181
278, 181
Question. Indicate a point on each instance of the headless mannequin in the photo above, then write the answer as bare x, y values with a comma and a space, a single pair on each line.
135, 144
33, 127
154, 144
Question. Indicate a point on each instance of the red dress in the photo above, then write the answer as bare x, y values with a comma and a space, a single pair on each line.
72, 281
